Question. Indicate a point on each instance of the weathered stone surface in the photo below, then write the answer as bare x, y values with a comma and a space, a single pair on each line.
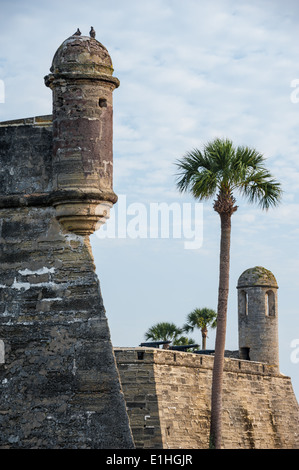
59, 384
257, 276
82, 85
258, 316
168, 400
83, 53
23, 172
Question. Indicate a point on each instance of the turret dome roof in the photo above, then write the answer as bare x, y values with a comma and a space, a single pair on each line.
257, 276
82, 54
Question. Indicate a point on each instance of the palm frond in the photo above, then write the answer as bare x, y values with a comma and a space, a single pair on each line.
248, 157
197, 175
187, 327
221, 152
163, 331
221, 167
260, 187
200, 318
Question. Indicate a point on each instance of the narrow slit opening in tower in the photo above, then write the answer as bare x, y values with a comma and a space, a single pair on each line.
244, 308
270, 303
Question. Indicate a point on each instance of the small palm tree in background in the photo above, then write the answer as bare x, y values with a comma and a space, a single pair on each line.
185, 341
163, 332
168, 332
201, 318
218, 171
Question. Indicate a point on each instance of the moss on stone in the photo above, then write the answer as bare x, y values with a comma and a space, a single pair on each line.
257, 276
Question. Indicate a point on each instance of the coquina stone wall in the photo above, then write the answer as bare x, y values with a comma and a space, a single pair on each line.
168, 400
59, 384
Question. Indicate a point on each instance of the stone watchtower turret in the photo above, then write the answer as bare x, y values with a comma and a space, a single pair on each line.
82, 83
59, 384
258, 316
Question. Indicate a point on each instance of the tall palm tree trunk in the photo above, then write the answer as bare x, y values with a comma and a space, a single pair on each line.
216, 402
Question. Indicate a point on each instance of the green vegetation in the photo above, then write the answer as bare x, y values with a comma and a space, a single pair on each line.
201, 318
217, 172
198, 318
163, 332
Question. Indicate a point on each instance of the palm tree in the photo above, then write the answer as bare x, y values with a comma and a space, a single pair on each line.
163, 332
218, 171
201, 318
184, 341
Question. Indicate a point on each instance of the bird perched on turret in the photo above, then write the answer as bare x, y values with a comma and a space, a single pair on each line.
92, 33
77, 33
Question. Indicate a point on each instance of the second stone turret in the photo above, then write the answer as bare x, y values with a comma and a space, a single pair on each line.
82, 82
258, 316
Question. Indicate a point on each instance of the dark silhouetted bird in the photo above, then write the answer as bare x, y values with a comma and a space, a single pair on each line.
77, 33
92, 33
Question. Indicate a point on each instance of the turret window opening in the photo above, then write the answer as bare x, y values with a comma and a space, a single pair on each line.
244, 300
270, 303
103, 103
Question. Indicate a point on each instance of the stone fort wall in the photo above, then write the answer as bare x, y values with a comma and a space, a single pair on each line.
59, 385
168, 400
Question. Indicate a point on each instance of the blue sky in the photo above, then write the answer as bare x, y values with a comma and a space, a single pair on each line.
189, 71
